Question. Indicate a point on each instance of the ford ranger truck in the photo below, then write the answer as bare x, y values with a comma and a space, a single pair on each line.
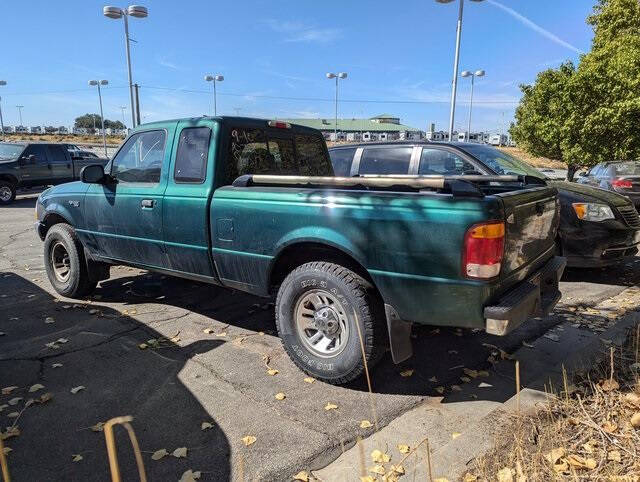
253, 205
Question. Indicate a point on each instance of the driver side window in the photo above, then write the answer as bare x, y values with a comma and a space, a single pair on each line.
140, 159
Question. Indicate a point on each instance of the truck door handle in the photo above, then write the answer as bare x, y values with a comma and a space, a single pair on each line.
147, 203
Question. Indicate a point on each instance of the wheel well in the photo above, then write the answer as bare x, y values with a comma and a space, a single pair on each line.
50, 220
300, 253
9, 179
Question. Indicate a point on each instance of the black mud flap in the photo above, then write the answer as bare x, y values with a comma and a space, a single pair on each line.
399, 335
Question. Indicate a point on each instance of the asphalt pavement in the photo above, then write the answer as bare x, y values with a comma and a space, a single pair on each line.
175, 354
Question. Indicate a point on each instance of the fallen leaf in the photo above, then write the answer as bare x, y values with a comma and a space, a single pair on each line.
433, 380
633, 399
406, 373
614, 456
6, 450
272, 371
222, 333
13, 414
75, 390
15, 400
330, 406
380, 457
309, 380
455, 435
465, 379
609, 426
555, 455
49, 320
93, 312
77, 458
158, 454
248, 440
180, 452
35, 388
142, 346
12, 431
206, 425
635, 420
61, 340
483, 373
528, 345
367, 478
209, 331
440, 390
190, 476
302, 475
280, 396
456, 388
377, 469
505, 475
365, 424
44, 398
580, 462
98, 427
609, 384
56, 365
8, 390
404, 449
398, 469
470, 372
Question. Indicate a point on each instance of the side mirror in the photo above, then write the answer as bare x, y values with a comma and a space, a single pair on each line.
93, 174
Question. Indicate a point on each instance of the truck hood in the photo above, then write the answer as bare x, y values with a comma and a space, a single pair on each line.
590, 193
76, 187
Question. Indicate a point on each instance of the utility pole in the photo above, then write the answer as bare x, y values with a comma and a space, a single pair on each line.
19, 107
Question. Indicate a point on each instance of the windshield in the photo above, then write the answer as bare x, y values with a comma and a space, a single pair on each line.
10, 151
627, 169
501, 162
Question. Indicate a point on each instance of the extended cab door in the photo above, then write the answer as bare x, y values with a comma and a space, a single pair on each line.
60, 164
124, 216
185, 210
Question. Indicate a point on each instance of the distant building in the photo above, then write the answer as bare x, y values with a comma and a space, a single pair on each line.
384, 127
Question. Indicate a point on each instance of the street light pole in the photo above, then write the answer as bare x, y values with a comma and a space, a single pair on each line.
98, 83
339, 75
137, 11
19, 107
2, 82
214, 79
473, 75
456, 61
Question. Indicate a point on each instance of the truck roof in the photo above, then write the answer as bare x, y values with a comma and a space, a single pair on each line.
236, 121
401, 143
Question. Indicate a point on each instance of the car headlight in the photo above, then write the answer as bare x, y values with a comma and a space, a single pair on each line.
593, 211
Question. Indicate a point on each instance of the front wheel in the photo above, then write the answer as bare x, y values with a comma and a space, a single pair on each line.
323, 311
7, 192
65, 263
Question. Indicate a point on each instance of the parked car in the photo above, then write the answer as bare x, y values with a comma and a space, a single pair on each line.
622, 177
597, 228
255, 207
36, 164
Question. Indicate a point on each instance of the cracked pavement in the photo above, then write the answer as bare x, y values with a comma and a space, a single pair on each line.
171, 387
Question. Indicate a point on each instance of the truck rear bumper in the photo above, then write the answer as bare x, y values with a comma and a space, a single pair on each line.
535, 296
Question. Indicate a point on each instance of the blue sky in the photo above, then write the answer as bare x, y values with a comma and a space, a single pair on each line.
274, 56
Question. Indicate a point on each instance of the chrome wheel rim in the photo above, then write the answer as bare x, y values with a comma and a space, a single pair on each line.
60, 262
322, 323
5, 193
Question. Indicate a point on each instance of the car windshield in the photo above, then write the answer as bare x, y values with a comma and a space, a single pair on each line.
10, 151
501, 162
631, 168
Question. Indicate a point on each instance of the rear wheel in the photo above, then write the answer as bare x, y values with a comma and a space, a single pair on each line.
7, 192
65, 263
322, 312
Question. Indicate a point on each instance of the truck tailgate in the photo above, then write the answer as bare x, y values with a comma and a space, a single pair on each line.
532, 217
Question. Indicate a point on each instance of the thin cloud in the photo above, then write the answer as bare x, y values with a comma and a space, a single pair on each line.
300, 32
535, 27
167, 63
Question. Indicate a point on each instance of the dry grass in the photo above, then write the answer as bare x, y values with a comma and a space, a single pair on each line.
585, 431
533, 160
77, 139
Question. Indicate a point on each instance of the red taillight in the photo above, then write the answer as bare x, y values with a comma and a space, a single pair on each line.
483, 250
623, 183
279, 124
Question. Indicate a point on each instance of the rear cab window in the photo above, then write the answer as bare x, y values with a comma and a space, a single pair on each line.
385, 160
259, 151
192, 154
342, 160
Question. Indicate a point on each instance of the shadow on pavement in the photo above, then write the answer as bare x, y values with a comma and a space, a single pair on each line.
102, 354
623, 274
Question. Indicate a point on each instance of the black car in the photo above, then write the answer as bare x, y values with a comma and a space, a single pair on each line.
597, 227
622, 177
37, 164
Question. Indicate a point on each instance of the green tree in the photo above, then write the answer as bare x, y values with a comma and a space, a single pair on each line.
600, 112
88, 121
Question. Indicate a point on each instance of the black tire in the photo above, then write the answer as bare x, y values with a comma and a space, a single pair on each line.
69, 253
356, 303
4, 185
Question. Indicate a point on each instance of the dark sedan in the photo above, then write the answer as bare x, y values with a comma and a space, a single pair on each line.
622, 177
597, 227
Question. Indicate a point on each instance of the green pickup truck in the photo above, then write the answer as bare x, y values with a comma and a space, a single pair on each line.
253, 205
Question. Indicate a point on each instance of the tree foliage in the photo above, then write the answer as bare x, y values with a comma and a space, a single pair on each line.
590, 113
87, 121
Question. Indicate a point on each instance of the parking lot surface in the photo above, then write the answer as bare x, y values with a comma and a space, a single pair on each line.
176, 354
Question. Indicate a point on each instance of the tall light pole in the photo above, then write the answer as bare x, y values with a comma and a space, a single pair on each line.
137, 11
214, 79
19, 107
2, 82
123, 108
98, 83
339, 75
473, 75
456, 61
